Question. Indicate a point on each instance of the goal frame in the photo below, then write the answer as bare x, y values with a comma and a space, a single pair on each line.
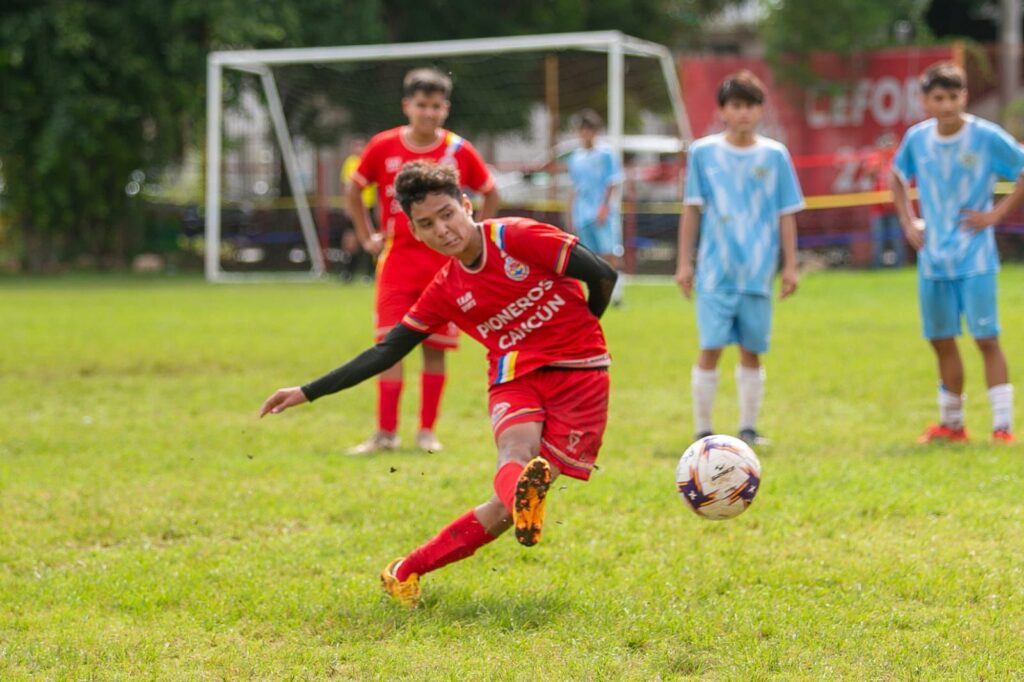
616, 44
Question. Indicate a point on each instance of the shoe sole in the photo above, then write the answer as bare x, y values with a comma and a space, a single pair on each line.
531, 491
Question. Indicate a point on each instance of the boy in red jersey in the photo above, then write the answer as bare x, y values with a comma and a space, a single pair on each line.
406, 266
514, 286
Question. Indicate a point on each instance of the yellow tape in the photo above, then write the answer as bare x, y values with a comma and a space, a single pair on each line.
815, 203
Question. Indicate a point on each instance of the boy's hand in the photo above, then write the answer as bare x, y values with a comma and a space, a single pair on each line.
602, 213
684, 276
915, 233
282, 399
978, 220
789, 281
374, 245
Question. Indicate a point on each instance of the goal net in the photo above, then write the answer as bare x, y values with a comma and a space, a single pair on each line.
281, 123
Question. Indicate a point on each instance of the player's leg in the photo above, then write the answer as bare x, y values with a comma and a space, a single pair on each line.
431, 389
389, 396
716, 313
518, 449
754, 319
390, 306
877, 240
982, 315
941, 306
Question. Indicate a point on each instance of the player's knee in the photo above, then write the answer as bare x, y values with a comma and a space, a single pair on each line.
989, 345
518, 452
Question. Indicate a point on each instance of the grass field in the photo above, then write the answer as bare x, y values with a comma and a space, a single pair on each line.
152, 528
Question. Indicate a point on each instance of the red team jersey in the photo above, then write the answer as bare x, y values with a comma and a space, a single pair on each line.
406, 262
517, 302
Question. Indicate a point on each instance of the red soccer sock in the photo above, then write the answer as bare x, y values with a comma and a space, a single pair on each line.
431, 387
389, 392
505, 483
456, 541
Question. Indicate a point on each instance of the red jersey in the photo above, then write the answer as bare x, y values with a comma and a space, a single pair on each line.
517, 302
414, 263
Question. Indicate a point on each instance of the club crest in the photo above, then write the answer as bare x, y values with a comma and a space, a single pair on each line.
515, 270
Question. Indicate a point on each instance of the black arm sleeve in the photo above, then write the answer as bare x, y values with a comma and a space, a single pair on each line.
596, 273
371, 362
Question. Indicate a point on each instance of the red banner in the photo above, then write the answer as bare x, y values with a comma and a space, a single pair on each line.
831, 134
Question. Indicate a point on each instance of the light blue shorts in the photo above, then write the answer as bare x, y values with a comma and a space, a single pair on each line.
727, 318
602, 238
943, 301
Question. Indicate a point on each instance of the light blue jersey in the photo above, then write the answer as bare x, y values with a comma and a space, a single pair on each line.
591, 172
743, 191
954, 173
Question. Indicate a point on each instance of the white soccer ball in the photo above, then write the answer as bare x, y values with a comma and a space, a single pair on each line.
718, 477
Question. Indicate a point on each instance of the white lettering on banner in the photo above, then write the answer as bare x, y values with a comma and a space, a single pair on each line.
509, 313
888, 101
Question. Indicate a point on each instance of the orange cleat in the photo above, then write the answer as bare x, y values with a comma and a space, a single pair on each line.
939, 432
1003, 437
405, 592
528, 509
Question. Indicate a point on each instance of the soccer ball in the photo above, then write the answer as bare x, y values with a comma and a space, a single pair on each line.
718, 477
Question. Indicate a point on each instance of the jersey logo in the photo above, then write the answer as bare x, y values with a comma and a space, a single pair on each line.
969, 160
499, 411
760, 172
515, 270
393, 163
466, 301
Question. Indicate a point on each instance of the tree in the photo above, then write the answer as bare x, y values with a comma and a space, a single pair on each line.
94, 92
794, 29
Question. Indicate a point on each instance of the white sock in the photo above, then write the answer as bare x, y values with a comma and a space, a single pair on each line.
951, 408
704, 383
619, 289
750, 386
1001, 399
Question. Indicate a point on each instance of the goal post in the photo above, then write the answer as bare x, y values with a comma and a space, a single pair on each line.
252, 104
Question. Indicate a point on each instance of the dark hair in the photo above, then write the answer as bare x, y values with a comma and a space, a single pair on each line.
417, 179
743, 86
945, 75
428, 81
588, 118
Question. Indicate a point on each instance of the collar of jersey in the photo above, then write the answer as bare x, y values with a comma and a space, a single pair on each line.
758, 142
946, 139
483, 253
442, 136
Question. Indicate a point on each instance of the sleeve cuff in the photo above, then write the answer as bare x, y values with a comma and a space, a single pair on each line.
359, 180
795, 208
693, 201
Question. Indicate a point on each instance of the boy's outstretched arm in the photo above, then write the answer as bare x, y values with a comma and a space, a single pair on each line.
596, 273
371, 362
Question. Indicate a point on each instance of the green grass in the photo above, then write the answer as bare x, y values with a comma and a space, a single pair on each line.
151, 527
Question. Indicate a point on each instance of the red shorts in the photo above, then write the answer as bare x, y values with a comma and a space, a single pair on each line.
572, 405
393, 303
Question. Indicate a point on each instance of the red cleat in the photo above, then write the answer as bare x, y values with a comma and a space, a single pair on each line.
1003, 437
939, 432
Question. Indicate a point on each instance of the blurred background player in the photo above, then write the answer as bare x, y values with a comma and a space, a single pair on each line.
354, 258
405, 266
593, 215
514, 286
955, 158
885, 224
747, 189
